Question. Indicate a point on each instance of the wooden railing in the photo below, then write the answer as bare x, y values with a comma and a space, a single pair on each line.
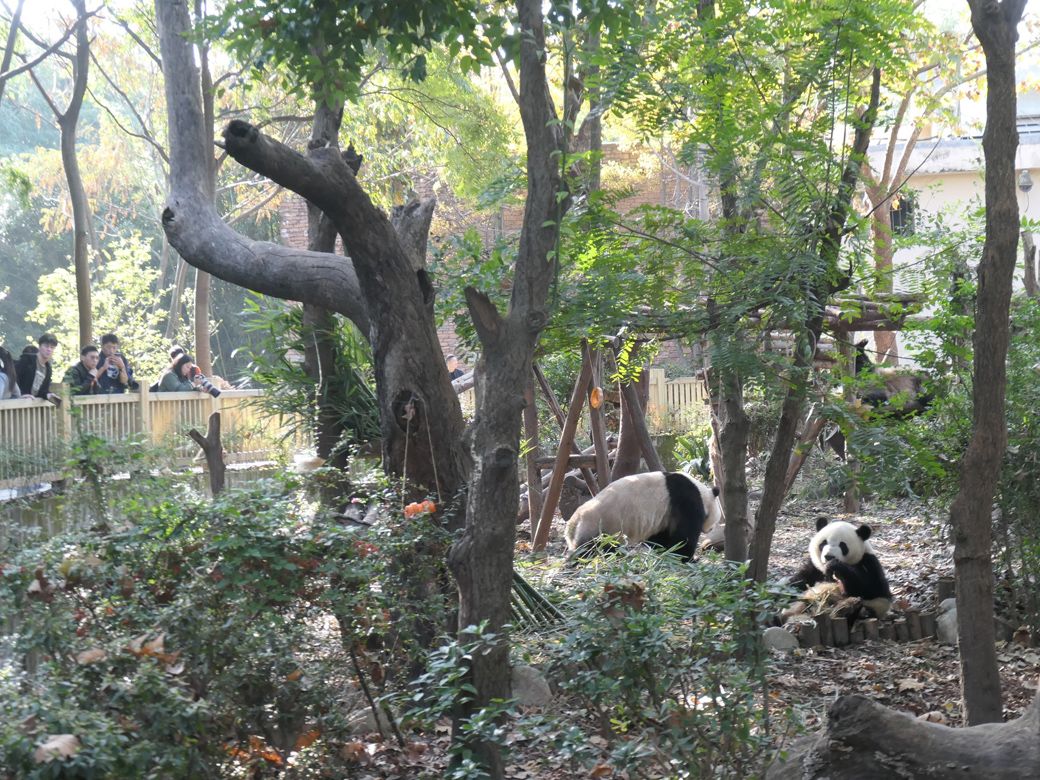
678, 404
35, 435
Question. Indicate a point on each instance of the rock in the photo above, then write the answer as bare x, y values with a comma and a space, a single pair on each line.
946, 624
777, 638
364, 722
60, 746
947, 604
530, 687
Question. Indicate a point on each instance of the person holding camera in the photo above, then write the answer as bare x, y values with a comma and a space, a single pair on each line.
115, 375
181, 377
82, 377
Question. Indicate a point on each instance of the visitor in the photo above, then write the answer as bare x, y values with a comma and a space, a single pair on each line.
34, 368
454, 372
115, 374
8, 378
179, 377
82, 378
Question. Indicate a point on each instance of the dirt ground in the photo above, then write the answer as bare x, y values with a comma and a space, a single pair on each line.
920, 678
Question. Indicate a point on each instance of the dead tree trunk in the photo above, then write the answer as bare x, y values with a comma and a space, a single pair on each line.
864, 740
383, 287
995, 25
214, 452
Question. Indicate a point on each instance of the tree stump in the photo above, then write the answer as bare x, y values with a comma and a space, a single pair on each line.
863, 739
870, 629
927, 624
214, 452
946, 588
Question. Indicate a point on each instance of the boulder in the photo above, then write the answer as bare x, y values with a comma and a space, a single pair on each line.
530, 687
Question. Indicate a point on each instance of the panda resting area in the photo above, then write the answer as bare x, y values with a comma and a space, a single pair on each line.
896, 672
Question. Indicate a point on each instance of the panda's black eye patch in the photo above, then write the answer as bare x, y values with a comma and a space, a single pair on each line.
844, 548
823, 544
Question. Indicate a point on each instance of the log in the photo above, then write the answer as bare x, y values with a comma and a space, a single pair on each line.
214, 452
927, 625
826, 631
913, 623
946, 588
886, 631
901, 629
863, 739
858, 635
839, 630
809, 634
574, 461
870, 629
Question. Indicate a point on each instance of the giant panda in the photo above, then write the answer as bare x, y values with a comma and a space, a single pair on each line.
841, 558
661, 508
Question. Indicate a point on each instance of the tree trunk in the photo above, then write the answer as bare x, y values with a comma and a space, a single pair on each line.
864, 740
1029, 264
733, 442
420, 416
995, 26
319, 322
881, 222
203, 283
81, 216
12, 37
482, 559
829, 241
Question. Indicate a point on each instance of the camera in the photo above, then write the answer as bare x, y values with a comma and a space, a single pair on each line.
206, 386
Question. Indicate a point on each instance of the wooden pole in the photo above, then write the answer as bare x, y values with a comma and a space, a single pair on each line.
813, 426
214, 452
570, 425
596, 423
852, 503
646, 444
534, 475
554, 405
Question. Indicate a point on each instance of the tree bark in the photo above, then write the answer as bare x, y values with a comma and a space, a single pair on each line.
995, 25
203, 358
864, 740
319, 322
214, 452
805, 347
420, 416
733, 442
482, 559
67, 123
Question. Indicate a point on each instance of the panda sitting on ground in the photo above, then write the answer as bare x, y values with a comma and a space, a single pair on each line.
664, 509
842, 564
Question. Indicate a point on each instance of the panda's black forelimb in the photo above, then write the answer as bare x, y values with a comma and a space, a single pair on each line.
806, 577
865, 580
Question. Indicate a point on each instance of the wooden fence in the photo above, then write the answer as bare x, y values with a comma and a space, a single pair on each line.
678, 405
35, 435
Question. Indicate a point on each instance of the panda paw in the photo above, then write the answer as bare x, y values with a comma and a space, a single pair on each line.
832, 568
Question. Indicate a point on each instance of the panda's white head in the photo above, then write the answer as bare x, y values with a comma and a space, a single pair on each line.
839, 541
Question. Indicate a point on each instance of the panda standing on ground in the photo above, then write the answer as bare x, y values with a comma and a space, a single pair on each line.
665, 509
840, 557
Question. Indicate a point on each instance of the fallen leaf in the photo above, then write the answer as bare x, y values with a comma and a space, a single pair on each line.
601, 770
307, 739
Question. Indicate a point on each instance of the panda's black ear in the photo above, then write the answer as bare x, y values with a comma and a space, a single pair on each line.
863, 532
821, 521
862, 344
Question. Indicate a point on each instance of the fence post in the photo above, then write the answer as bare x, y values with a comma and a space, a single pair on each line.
144, 411
65, 414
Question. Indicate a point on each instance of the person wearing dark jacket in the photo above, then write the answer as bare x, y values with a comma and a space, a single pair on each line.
179, 378
115, 374
34, 368
82, 377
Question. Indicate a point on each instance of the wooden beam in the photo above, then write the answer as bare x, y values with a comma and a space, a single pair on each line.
596, 423
554, 405
534, 475
570, 425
